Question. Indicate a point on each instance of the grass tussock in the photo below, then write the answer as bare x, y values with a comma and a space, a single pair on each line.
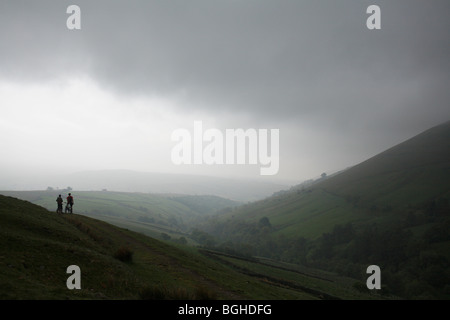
124, 254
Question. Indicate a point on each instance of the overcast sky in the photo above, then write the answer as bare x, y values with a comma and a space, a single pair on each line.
110, 95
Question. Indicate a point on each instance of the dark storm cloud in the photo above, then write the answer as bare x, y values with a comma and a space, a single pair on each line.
263, 56
278, 60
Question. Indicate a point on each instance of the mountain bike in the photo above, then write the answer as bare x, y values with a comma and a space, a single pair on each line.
68, 208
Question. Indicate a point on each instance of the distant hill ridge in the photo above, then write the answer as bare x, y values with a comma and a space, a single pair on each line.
133, 181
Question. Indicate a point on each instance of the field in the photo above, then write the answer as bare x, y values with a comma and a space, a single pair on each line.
36, 247
150, 214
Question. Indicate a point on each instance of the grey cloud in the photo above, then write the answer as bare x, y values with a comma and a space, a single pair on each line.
271, 58
284, 61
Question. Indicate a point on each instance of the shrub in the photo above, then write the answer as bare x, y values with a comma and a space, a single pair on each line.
124, 254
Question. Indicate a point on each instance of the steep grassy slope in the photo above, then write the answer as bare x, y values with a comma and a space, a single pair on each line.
408, 174
386, 187
392, 210
37, 246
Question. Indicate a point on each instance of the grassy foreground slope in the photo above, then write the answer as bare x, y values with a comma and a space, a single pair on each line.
151, 214
37, 246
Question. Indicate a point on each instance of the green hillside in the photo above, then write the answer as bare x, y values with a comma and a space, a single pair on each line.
151, 214
37, 246
408, 174
392, 210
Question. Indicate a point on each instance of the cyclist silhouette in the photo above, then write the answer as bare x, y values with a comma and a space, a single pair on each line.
69, 203
59, 201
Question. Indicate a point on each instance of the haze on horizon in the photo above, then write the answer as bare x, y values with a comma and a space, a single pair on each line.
110, 95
